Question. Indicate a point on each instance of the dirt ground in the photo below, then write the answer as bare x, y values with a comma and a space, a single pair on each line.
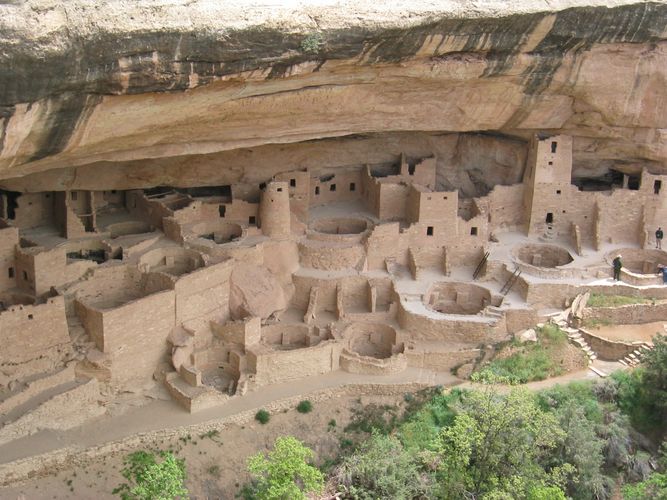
630, 333
216, 464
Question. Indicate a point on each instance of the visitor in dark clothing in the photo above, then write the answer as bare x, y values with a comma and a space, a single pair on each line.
617, 268
658, 238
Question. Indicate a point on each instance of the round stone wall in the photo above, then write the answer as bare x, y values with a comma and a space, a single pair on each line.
219, 232
548, 256
374, 340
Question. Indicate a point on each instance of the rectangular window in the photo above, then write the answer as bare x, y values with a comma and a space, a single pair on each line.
221, 210
30, 316
429, 231
332, 187
73, 195
554, 145
557, 191
317, 190
251, 219
473, 231
657, 185
292, 183
353, 187
550, 218
10, 272
280, 190
551, 163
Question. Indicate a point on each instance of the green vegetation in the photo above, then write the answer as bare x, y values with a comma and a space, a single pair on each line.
285, 473
598, 300
149, 479
262, 416
528, 362
312, 43
304, 406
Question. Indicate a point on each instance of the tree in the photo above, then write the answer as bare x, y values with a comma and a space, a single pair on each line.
382, 468
496, 447
654, 487
152, 480
286, 473
655, 376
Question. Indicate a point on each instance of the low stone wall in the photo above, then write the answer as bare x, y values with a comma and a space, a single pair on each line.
330, 256
609, 350
355, 363
632, 314
442, 361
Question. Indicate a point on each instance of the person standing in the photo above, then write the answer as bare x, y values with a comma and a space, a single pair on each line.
658, 238
617, 267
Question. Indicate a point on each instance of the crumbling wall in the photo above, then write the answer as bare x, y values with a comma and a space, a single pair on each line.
9, 240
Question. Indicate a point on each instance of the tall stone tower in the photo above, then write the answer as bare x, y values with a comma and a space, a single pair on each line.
548, 182
274, 210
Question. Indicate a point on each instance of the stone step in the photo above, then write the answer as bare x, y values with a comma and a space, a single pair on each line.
623, 362
598, 372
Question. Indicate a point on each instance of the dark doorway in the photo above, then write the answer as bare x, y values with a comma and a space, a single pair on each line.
634, 182
554, 145
429, 231
550, 218
657, 186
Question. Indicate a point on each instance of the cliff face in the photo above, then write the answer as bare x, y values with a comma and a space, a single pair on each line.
134, 95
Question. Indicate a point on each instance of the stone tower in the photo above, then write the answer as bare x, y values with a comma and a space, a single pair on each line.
274, 210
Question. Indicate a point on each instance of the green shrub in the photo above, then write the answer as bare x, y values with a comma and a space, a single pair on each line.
304, 406
312, 43
149, 479
285, 472
381, 468
262, 416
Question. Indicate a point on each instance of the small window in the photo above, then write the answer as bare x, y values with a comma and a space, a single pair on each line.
221, 210
428, 198
444, 197
551, 163
25, 276
554, 145
30, 316
564, 212
73, 195
251, 219
10, 272
262, 186
473, 231
292, 183
280, 190
550, 218
429, 231
47, 195
411, 169
557, 191
113, 191
657, 185
317, 190
332, 187
353, 187
634, 182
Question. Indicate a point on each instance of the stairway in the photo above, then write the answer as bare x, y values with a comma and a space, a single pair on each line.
635, 357
575, 337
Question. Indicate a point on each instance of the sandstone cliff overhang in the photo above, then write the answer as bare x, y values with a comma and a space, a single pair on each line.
84, 82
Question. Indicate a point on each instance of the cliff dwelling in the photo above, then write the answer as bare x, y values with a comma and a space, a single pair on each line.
204, 219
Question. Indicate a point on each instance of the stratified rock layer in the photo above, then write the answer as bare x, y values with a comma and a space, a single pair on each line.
122, 85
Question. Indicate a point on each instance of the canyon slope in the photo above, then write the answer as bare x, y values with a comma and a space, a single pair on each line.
183, 93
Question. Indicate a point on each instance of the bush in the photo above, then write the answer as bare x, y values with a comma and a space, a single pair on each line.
285, 473
531, 362
312, 43
149, 479
262, 416
304, 406
381, 468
